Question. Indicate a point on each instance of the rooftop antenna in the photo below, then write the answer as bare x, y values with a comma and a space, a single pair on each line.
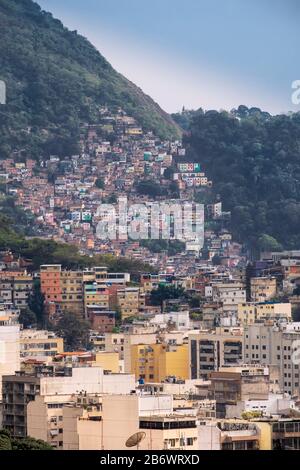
135, 439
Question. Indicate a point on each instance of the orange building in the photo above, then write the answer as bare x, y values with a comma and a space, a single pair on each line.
51, 282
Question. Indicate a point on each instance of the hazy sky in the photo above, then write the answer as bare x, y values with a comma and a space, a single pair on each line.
197, 53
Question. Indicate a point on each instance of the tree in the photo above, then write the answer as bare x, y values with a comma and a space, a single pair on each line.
28, 443
5, 441
296, 291
36, 304
163, 293
268, 243
118, 316
216, 261
112, 199
27, 318
253, 159
149, 188
168, 173
74, 331
99, 183
174, 190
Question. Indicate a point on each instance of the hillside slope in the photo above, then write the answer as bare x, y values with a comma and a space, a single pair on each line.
55, 80
253, 159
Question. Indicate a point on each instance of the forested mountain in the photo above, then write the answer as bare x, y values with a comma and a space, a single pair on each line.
55, 80
253, 159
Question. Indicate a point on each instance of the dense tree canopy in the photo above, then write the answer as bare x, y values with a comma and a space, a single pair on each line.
253, 159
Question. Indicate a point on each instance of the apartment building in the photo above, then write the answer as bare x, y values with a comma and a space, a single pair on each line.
106, 422
268, 344
96, 294
230, 294
22, 288
263, 289
210, 350
101, 320
50, 276
54, 385
45, 413
251, 312
71, 292
17, 391
172, 432
16, 289
40, 344
74, 290
234, 384
9, 347
279, 433
114, 342
83, 425
156, 362
131, 301
229, 435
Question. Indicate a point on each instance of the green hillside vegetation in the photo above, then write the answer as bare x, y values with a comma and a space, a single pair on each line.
253, 159
57, 80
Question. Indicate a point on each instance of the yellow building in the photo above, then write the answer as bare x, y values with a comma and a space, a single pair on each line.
263, 288
109, 361
250, 313
131, 301
279, 434
71, 292
40, 344
274, 311
156, 362
134, 131
95, 294
246, 314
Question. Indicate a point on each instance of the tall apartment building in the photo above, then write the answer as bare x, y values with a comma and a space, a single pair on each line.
208, 351
50, 276
130, 339
273, 345
22, 288
96, 294
131, 301
33, 403
74, 290
17, 391
16, 289
71, 292
9, 347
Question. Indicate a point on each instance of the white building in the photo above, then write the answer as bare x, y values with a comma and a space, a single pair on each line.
9, 349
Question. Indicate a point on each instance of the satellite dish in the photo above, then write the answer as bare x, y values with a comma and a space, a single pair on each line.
135, 439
